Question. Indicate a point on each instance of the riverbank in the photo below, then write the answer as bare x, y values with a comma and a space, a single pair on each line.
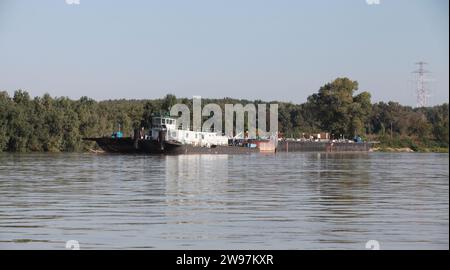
375, 149
407, 144
409, 150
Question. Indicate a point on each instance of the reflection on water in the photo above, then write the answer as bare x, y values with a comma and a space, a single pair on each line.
282, 201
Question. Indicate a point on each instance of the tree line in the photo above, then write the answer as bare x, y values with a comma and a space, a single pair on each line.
57, 124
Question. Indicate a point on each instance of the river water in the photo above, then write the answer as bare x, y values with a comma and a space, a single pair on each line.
282, 201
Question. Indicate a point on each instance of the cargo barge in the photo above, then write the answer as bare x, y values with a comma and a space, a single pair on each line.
323, 146
165, 137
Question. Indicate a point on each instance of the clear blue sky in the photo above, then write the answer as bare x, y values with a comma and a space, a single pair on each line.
269, 50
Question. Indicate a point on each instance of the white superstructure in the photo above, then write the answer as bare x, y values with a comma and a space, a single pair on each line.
172, 132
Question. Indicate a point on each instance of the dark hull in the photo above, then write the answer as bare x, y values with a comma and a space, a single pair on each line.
294, 146
129, 145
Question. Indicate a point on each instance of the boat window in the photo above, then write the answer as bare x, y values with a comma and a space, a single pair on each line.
163, 121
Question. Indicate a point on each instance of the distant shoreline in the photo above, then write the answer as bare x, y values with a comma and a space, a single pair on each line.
380, 149
408, 150
50, 124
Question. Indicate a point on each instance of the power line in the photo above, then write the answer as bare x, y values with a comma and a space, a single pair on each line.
421, 90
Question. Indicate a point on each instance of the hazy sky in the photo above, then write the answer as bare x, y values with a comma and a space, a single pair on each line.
269, 50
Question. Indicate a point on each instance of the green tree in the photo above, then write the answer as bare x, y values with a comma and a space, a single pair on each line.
6, 105
168, 101
336, 110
